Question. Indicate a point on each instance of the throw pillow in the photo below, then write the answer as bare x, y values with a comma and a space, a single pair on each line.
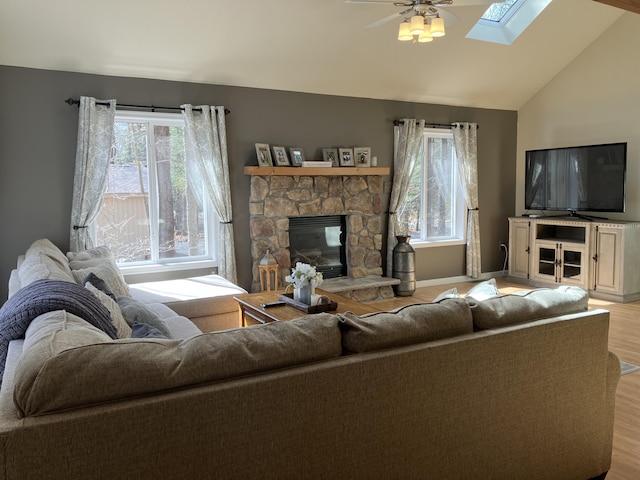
144, 330
98, 252
133, 311
107, 271
484, 290
100, 284
451, 293
122, 327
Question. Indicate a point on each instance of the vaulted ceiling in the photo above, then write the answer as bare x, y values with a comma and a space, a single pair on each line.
317, 46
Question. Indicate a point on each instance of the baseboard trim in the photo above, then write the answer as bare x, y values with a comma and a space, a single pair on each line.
462, 278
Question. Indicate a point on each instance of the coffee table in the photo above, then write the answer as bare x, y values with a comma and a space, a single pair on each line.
254, 313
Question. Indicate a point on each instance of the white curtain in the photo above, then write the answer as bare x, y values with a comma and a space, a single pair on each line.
93, 153
466, 145
206, 147
408, 149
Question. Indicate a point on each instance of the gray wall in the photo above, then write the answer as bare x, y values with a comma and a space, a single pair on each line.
38, 137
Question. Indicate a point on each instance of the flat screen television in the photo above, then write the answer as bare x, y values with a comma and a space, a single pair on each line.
577, 179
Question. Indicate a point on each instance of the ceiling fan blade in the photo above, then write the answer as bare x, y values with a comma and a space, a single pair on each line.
467, 3
389, 18
383, 2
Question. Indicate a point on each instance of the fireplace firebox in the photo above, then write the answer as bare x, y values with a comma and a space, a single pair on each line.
319, 241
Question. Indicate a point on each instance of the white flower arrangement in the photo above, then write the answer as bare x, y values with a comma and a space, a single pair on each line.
304, 274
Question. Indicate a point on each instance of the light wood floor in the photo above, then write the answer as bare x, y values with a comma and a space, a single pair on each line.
624, 341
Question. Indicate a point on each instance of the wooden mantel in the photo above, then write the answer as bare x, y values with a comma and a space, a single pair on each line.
315, 171
631, 5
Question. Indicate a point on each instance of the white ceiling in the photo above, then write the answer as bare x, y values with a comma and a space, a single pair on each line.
318, 46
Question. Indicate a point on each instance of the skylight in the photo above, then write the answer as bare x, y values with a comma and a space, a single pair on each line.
504, 22
498, 11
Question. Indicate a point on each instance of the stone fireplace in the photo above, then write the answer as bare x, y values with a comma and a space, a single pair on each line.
275, 199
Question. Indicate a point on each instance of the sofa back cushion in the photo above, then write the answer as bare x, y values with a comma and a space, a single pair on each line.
51, 378
528, 306
44, 261
405, 326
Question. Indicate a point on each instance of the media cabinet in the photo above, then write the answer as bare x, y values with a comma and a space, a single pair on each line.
601, 256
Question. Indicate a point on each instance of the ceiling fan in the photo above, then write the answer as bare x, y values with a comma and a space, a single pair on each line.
424, 8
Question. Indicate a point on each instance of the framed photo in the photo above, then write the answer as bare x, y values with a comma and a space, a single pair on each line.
264, 155
346, 157
362, 156
280, 155
297, 156
331, 155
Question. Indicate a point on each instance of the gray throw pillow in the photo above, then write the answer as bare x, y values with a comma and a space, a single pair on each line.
144, 330
133, 311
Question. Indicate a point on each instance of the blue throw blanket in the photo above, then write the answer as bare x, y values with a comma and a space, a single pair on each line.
44, 296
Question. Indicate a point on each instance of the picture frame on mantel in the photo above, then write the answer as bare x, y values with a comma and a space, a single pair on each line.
362, 156
346, 157
280, 155
331, 155
297, 156
264, 155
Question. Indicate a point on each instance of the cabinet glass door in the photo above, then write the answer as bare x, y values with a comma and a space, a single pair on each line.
546, 261
571, 264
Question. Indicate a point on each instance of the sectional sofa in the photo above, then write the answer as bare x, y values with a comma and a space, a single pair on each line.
504, 387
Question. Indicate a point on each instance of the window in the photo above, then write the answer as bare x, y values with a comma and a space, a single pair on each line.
504, 22
152, 211
434, 208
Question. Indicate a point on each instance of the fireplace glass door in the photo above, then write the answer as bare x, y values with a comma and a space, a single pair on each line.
319, 241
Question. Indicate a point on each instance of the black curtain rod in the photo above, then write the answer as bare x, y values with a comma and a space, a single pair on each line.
431, 125
153, 108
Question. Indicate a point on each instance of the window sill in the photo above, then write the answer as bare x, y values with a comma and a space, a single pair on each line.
444, 243
133, 270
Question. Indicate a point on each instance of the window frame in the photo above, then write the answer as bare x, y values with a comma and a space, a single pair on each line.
211, 228
460, 207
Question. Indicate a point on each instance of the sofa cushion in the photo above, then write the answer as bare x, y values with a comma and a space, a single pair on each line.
46, 247
41, 332
527, 306
39, 266
126, 368
44, 296
405, 326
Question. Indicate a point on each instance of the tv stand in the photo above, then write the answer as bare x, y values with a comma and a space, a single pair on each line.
596, 255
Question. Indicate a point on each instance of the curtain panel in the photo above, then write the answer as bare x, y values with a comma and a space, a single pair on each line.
206, 149
408, 149
94, 151
466, 145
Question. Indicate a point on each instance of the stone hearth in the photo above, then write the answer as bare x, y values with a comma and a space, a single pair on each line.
274, 199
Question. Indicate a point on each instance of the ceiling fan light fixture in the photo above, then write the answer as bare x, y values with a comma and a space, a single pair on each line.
404, 34
417, 25
437, 27
425, 36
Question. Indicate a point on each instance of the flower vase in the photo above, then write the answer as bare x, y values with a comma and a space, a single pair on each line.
303, 294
